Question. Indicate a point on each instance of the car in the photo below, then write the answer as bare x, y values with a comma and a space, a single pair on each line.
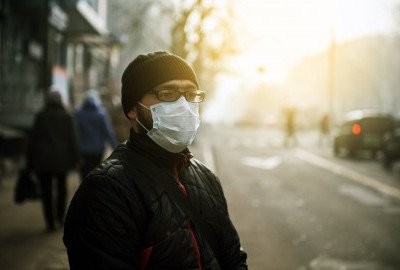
362, 130
391, 146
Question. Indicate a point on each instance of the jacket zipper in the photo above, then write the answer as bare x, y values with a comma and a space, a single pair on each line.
145, 257
196, 245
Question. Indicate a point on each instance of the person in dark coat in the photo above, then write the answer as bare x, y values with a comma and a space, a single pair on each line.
290, 126
121, 217
52, 152
94, 130
324, 129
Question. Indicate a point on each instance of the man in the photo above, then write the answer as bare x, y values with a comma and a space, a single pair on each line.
52, 152
121, 217
95, 131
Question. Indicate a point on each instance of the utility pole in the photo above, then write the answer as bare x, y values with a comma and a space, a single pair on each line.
331, 77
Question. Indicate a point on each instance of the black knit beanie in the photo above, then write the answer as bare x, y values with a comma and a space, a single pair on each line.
147, 71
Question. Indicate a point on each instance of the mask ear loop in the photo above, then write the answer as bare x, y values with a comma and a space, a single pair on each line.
144, 106
137, 120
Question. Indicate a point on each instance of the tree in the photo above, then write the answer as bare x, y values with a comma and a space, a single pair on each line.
203, 34
199, 31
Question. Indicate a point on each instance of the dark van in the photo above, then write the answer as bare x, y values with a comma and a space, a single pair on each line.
362, 130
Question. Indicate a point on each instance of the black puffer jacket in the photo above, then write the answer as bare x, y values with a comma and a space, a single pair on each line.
53, 145
114, 223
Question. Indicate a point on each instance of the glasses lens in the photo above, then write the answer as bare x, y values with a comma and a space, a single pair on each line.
168, 95
195, 96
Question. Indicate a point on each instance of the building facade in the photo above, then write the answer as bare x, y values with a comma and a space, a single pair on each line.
49, 44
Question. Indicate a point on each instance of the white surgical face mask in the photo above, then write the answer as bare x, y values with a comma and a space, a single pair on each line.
175, 124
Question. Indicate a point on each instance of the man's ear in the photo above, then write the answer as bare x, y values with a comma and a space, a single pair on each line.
133, 114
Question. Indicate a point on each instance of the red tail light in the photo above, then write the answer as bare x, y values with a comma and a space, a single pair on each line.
356, 129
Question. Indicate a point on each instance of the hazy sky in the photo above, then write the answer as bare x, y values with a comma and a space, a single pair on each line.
275, 34
280, 32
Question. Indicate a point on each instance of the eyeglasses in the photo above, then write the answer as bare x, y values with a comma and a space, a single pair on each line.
171, 95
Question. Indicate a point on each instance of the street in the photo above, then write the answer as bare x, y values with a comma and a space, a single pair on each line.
301, 208
296, 208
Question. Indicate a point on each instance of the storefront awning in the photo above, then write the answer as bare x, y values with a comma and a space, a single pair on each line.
84, 20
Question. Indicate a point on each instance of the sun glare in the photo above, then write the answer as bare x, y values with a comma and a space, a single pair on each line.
275, 35
280, 33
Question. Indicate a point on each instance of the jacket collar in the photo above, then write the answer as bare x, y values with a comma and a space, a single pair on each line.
143, 145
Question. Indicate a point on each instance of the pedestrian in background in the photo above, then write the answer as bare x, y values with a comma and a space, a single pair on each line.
324, 129
120, 123
128, 213
52, 152
290, 126
95, 131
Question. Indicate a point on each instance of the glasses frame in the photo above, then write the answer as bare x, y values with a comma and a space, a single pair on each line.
185, 93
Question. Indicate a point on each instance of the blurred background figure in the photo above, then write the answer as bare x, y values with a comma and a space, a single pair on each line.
324, 130
95, 131
52, 151
290, 126
119, 122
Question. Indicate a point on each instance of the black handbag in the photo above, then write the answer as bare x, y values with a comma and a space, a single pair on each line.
26, 187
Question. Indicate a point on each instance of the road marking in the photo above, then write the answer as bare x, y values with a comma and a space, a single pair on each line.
249, 142
348, 173
363, 195
262, 163
209, 158
324, 262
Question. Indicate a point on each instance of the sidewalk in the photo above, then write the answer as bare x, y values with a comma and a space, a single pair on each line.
24, 243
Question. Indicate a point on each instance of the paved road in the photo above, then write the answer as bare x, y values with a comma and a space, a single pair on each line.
301, 208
